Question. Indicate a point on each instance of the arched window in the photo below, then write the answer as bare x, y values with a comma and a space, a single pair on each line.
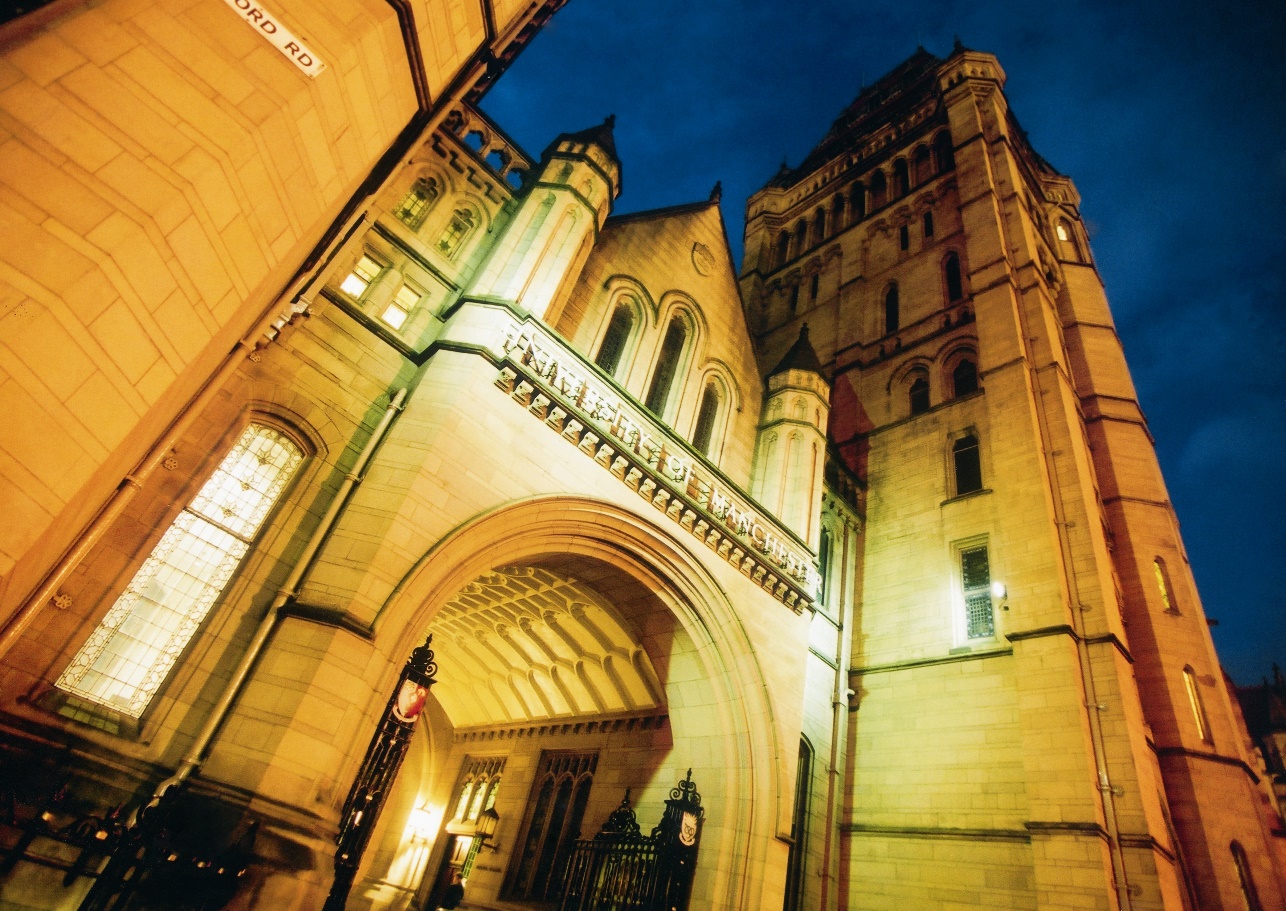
837, 214
968, 466
964, 378
943, 152
667, 365
891, 322
783, 248
857, 203
1163, 584
792, 302
703, 435
819, 226
919, 394
927, 221
1249, 894
1198, 707
1068, 248
796, 860
458, 230
814, 284
126, 659
923, 164
618, 333
879, 190
801, 236
951, 273
415, 205
975, 579
553, 821
901, 179
824, 565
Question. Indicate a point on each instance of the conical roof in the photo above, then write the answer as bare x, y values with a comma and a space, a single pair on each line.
801, 356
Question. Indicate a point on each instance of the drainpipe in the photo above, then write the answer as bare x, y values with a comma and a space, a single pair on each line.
196, 753
274, 318
839, 711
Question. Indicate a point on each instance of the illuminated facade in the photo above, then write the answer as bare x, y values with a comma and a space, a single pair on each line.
854, 537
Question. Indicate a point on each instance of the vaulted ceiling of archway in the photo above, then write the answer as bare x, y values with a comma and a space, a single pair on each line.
529, 643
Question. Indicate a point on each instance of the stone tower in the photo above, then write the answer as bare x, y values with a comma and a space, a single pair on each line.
1023, 583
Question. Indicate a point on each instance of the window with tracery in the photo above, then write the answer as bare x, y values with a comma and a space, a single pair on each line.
553, 820
128, 656
415, 205
458, 230
975, 578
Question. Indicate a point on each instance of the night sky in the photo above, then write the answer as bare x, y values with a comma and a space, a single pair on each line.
1169, 117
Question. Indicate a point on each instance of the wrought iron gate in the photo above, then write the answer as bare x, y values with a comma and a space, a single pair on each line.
620, 869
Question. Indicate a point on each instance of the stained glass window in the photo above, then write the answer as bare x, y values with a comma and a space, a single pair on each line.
129, 655
975, 574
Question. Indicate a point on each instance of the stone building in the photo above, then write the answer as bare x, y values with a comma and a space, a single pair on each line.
306, 361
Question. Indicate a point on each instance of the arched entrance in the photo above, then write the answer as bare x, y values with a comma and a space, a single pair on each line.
582, 652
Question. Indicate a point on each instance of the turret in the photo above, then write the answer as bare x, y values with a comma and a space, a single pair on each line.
792, 440
546, 242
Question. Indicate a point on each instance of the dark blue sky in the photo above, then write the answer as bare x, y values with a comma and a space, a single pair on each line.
1170, 118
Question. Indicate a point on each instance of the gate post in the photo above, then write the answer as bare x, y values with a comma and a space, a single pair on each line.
379, 769
677, 837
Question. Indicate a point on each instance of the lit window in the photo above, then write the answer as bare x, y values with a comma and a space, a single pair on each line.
129, 655
401, 306
1063, 233
1249, 894
706, 415
1164, 586
613, 346
1195, 703
968, 466
365, 272
975, 576
416, 203
461, 226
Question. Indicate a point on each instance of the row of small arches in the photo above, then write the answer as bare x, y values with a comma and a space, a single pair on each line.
847, 208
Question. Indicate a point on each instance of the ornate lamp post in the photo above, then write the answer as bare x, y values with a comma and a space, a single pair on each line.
379, 770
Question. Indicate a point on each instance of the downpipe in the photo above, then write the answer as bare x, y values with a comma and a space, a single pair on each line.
196, 753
